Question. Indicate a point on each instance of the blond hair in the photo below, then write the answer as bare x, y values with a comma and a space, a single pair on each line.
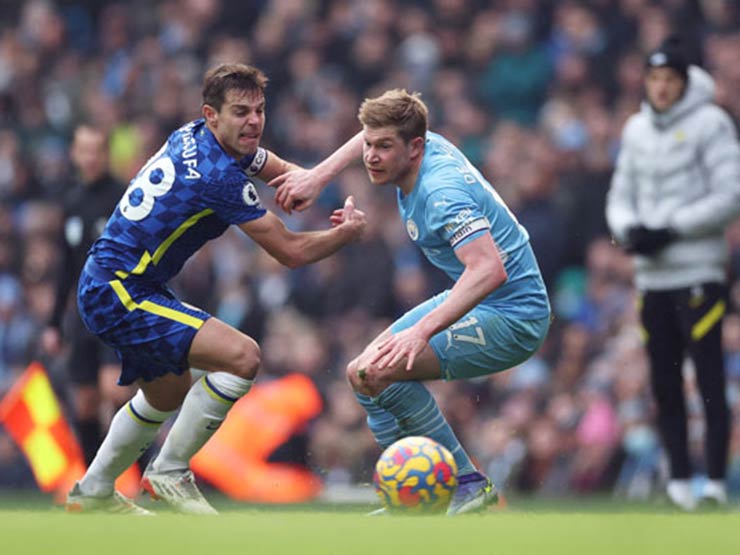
396, 108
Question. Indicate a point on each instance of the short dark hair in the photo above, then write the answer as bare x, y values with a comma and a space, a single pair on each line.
225, 77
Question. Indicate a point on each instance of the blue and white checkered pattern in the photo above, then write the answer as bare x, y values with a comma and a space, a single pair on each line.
191, 177
185, 195
151, 340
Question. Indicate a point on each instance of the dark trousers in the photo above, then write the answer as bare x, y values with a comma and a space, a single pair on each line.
679, 322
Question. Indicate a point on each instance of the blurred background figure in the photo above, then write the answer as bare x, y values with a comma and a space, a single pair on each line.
675, 189
92, 368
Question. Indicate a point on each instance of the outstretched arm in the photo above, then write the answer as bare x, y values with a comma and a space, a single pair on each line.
298, 189
484, 272
298, 249
276, 166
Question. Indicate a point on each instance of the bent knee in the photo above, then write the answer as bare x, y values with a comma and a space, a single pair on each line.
351, 373
365, 378
245, 361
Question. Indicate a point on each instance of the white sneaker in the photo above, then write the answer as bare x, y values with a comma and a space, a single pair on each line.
117, 503
178, 489
714, 493
681, 494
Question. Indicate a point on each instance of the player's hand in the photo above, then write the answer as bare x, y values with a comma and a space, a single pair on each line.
51, 341
406, 344
350, 216
296, 189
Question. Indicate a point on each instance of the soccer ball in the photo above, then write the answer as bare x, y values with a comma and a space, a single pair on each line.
415, 475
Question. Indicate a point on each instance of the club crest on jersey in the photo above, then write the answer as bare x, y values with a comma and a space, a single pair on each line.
249, 194
412, 230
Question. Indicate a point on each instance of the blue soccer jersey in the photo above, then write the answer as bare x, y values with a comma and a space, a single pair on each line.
187, 193
450, 205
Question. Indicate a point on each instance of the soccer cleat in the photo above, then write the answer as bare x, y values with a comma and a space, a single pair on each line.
178, 489
378, 512
681, 495
474, 493
117, 503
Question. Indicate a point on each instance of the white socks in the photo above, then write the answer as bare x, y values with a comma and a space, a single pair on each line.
202, 412
136, 424
131, 431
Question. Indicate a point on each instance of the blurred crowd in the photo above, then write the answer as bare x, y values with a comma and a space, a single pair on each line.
535, 92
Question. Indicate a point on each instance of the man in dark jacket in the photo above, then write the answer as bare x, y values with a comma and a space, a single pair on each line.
92, 367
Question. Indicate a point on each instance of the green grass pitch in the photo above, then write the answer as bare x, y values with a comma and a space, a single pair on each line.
532, 527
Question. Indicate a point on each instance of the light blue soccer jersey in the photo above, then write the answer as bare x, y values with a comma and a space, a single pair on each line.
187, 193
450, 205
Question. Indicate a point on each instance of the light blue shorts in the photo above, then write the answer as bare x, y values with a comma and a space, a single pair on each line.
484, 341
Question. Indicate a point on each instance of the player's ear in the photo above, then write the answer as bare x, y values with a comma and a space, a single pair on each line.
417, 147
209, 113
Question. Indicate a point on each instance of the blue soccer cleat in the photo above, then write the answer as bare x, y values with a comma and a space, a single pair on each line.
474, 493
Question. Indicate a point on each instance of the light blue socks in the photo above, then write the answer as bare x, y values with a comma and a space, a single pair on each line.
382, 423
408, 409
